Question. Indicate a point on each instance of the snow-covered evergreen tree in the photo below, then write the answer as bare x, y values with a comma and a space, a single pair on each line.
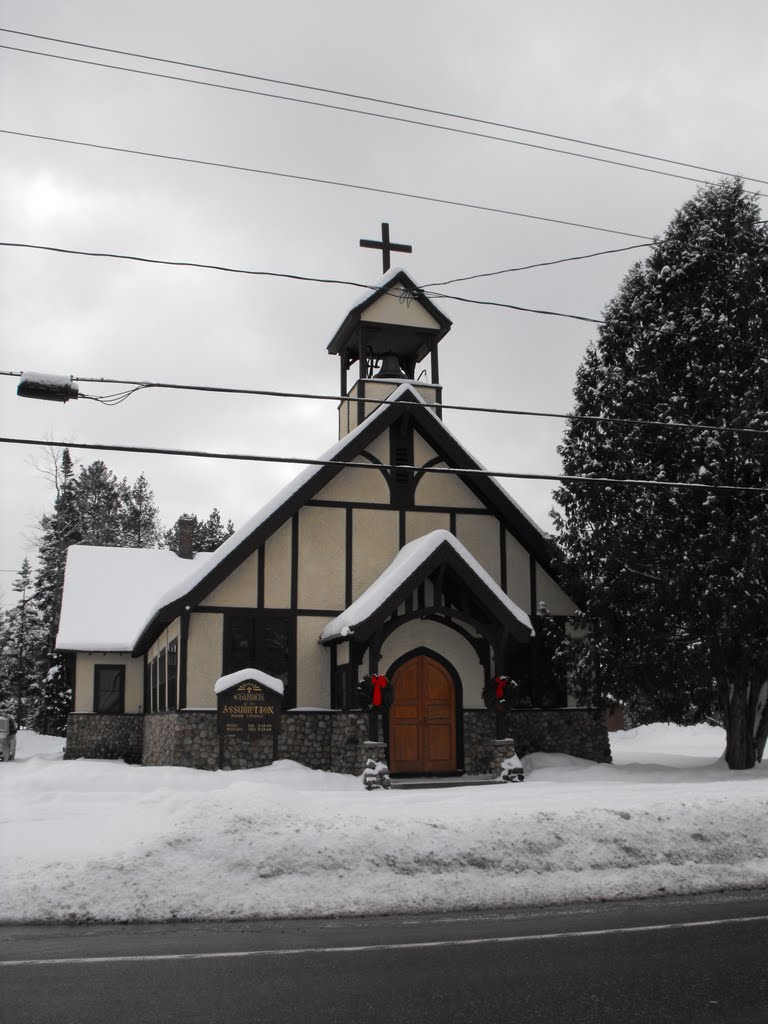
100, 501
91, 506
676, 580
141, 520
22, 649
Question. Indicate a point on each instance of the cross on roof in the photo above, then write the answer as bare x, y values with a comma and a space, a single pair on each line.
385, 245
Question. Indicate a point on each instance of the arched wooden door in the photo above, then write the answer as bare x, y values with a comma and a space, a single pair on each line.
422, 720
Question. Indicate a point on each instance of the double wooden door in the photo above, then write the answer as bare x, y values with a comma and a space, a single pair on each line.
422, 720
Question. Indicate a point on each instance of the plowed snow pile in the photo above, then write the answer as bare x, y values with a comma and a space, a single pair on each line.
106, 841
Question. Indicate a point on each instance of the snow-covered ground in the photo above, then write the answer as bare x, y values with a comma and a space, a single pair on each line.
105, 841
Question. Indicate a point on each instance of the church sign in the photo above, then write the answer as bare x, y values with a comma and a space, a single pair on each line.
249, 704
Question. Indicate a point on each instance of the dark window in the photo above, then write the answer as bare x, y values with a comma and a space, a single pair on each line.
261, 641
161, 705
344, 693
109, 689
172, 674
154, 674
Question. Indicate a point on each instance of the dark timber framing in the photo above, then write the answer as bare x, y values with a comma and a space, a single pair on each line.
494, 499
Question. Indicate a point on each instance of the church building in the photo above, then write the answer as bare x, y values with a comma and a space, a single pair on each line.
394, 557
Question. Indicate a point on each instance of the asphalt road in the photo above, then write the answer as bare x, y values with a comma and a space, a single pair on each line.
700, 960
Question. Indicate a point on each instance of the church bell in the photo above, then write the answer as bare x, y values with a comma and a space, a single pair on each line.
390, 367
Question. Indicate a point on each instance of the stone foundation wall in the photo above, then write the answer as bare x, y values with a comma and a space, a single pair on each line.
104, 736
581, 732
330, 740
479, 735
159, 735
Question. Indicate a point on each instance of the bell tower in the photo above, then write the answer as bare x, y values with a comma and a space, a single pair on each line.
388, 334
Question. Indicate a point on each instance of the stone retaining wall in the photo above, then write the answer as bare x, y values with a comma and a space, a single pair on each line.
479, 734
581, 732
331, 740
318, 739
104, 736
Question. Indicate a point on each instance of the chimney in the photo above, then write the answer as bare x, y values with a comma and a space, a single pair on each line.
186, 536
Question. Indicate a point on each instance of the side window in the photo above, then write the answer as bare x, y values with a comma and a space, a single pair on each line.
109, 689
172, 674
161, 665
154, 684
262, 641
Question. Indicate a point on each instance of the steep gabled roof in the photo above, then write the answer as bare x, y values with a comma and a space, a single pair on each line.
396, 276
412, 565
404, 401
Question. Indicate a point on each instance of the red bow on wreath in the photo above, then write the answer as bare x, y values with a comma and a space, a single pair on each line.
378, 683
501, 686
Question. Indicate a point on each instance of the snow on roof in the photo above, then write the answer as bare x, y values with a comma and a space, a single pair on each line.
182, 585
108, 594
380, 285
406, 562
245, 675
198, 574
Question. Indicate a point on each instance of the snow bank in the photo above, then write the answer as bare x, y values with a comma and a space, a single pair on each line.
124, 843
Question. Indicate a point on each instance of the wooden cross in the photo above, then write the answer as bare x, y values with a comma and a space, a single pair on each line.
385, 245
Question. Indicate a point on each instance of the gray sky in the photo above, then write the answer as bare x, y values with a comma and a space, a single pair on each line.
682, 80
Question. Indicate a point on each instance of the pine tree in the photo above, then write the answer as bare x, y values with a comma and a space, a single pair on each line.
141, 520
100, 502
22, 647
91, 507
676, 581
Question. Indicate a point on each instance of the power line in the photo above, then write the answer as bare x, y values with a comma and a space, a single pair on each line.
138, 385
322, 181
449, 470
292, 277
535, 266
371, 99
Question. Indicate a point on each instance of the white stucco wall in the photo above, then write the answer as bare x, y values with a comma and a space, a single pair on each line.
313, 664
322, 545
357, 485
518, 573
277, 568
446, 491
481, 536
204, 658
375, 536
240, 588
134, 680
393, 308
419, 524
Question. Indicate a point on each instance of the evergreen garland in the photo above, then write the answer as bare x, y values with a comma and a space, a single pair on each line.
375, 693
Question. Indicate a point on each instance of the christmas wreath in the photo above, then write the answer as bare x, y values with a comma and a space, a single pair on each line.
375, 693
499, 692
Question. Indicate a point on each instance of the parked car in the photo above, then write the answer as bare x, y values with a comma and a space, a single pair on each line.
7, 738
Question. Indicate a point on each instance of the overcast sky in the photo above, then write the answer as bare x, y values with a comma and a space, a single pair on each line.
676, 79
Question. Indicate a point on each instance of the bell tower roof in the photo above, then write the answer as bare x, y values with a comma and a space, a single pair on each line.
394, 319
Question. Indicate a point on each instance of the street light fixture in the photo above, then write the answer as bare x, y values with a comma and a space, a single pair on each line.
50, 387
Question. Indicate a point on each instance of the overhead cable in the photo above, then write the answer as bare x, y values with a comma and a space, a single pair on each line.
322, 181
536, 266
141, 385
377, 114
292, 277
444, 470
